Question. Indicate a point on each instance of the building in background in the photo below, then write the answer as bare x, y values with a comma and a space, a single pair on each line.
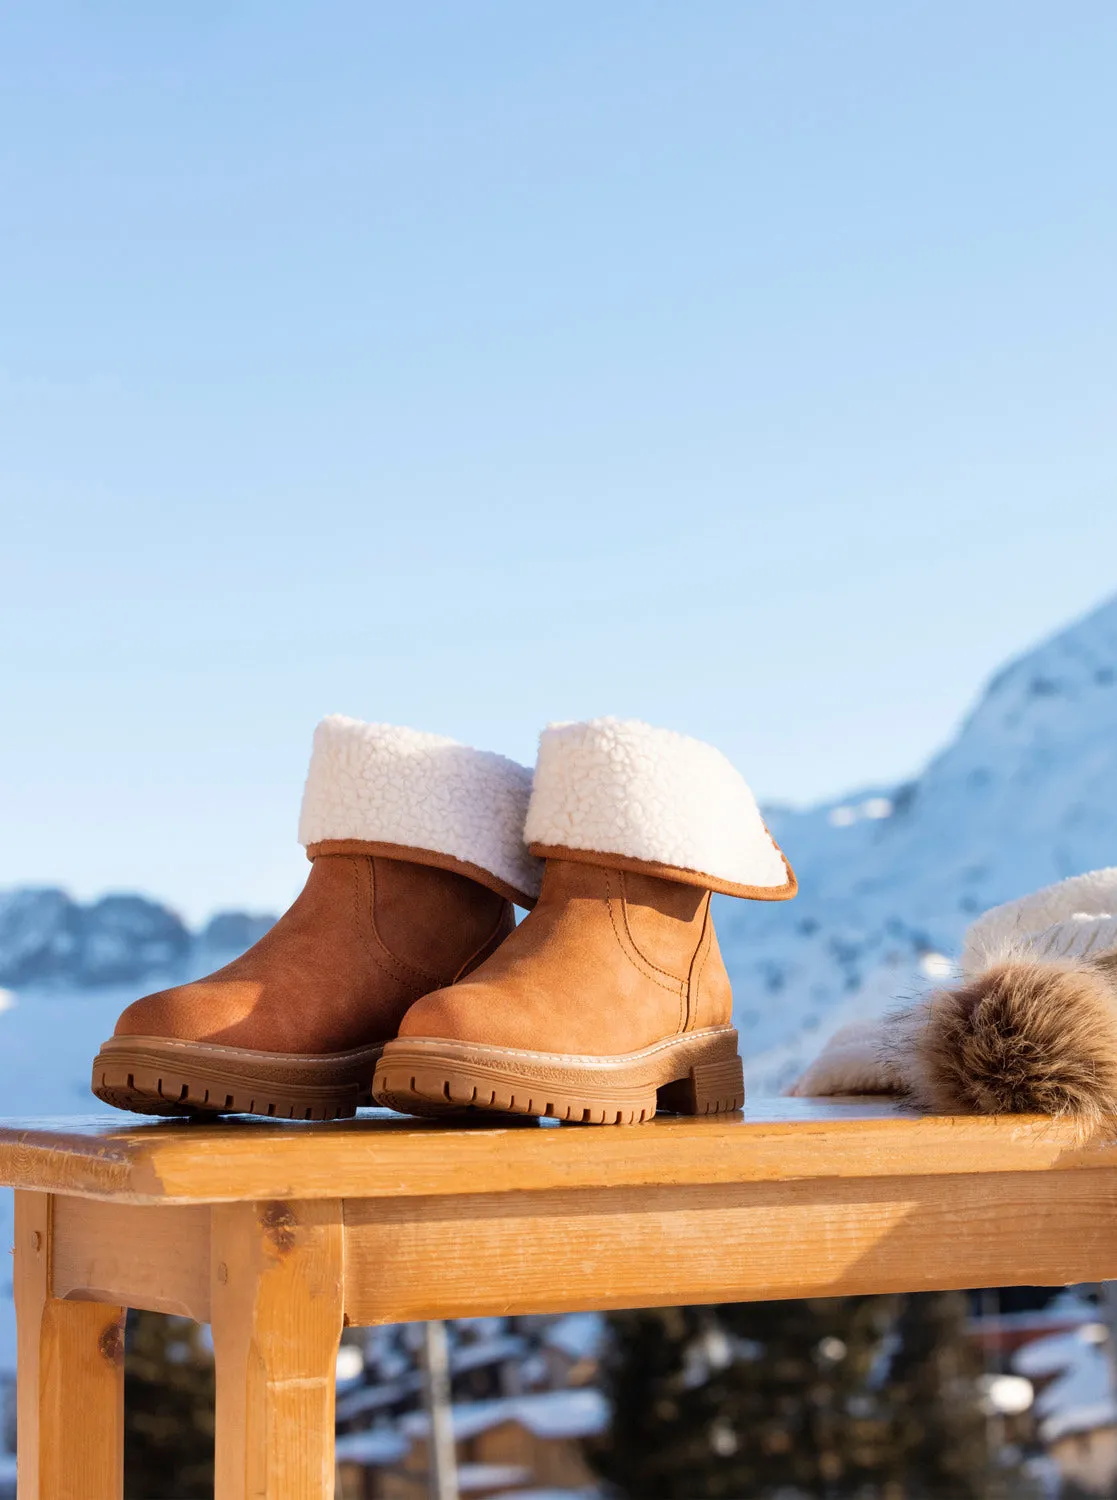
524, 1402
1076, 1402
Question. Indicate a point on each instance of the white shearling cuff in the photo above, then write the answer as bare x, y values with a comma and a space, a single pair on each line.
382, 784
1073, 920
619, 787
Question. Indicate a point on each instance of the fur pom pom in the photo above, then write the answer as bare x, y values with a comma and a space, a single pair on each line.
1020, 1038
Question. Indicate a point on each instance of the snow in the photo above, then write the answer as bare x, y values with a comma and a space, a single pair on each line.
577, 1335
1079, 1416
487, 1351
350, 1363
365, 1398
372, 1448
1066, 1310
1008, 1395
473, 1478
550, 1495
1059, 1351
1080, 1397
550, 1414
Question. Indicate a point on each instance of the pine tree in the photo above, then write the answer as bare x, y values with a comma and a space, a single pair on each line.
168, 1409
940, 1433
859, 1398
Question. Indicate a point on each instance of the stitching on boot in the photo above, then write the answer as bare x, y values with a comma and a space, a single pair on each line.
407, 973
678, 978
486, 950
628, 952
698, 965
679, 982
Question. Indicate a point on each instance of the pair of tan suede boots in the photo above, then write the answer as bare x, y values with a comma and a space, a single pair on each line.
400, 976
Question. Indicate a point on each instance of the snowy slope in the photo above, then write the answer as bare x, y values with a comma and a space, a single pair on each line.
1025, 795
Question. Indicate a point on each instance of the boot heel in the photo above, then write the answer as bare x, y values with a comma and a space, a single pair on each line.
711, 1088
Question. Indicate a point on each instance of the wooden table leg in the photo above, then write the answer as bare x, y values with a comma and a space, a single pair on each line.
276, 1304
70, 1378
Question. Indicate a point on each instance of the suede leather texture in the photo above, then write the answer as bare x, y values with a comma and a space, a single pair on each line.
609, 962
364, 939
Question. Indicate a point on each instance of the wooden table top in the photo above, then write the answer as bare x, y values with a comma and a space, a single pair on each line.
383, 1155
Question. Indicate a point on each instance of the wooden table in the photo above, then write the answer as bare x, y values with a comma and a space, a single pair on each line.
280, 1235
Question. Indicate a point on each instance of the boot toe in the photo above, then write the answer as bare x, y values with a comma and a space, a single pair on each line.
188, 1012
158, 1014
482, 1014
446, 1015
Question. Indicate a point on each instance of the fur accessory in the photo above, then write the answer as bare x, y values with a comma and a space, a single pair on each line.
1031, 1029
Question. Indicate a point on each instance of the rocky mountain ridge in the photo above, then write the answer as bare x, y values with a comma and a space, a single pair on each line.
49, 939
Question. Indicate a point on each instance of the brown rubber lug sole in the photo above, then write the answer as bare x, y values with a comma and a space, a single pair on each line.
164, 1076
698, 1073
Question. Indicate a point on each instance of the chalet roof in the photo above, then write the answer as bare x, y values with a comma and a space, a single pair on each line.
488, 1351
550, 1414
374, 1446
551, 1495
577, 1335
385, 1393
1080, 1397
1064, 1311
473, 1478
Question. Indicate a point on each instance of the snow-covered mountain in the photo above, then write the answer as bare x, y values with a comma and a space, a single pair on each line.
890, 877
46, 938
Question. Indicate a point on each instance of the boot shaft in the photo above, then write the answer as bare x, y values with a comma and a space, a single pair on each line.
663, 928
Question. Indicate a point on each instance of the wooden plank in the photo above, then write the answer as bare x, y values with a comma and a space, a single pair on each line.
277, 1285
71, 1376
384, 1156
562, 1251
79, 1154
153, 1257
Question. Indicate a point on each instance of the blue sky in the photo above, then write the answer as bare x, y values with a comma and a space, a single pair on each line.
748, 368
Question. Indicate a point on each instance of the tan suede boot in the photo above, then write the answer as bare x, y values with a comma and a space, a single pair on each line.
417, 854
611, 997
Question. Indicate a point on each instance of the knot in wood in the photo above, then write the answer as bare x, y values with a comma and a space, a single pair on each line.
278, 1221
111, 1344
